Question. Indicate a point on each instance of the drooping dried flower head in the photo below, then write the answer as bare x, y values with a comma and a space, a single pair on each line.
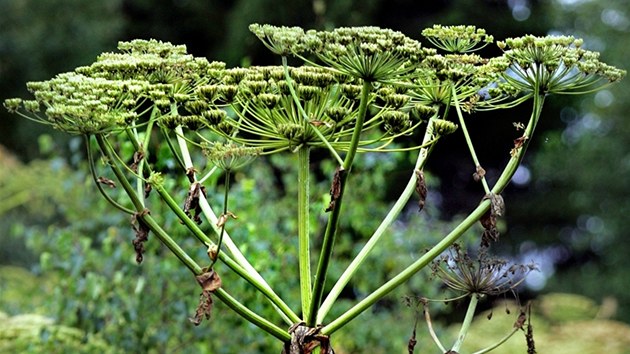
482, 275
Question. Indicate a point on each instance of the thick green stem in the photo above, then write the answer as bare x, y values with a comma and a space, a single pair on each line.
453, 236
333, 219
252, 317
304, 255
391, 216
470, 314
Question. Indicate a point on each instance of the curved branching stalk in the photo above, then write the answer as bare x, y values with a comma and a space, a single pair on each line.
401, 202
253, 276
453, 236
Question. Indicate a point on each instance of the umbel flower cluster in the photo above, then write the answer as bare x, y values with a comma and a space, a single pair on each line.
280, 108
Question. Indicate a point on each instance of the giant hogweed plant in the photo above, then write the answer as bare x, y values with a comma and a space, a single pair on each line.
362, 89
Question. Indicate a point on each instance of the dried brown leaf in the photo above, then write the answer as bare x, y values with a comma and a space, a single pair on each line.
335, 188
520, 321
421, 189
106, 181
192, 201
142, 233
147, 190
137, 157
204, 309
209, 280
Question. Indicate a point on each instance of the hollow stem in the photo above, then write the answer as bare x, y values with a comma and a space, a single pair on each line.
333, 219
304, 255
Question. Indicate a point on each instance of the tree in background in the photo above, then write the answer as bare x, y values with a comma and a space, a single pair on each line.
582, 167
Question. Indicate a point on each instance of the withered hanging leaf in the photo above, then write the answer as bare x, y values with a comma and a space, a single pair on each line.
106, 181
335, 188
497, 204
204, 309
142, 233
421, 189
489, 219
209, 280
490, 232
137, 157
479, 174
411, 345
192, 201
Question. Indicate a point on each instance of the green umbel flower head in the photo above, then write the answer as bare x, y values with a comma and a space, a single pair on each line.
457, 39
553, 64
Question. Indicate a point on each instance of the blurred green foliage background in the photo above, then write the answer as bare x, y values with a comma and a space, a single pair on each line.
67, 262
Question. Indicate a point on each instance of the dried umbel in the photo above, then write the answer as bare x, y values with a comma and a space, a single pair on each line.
482, 275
